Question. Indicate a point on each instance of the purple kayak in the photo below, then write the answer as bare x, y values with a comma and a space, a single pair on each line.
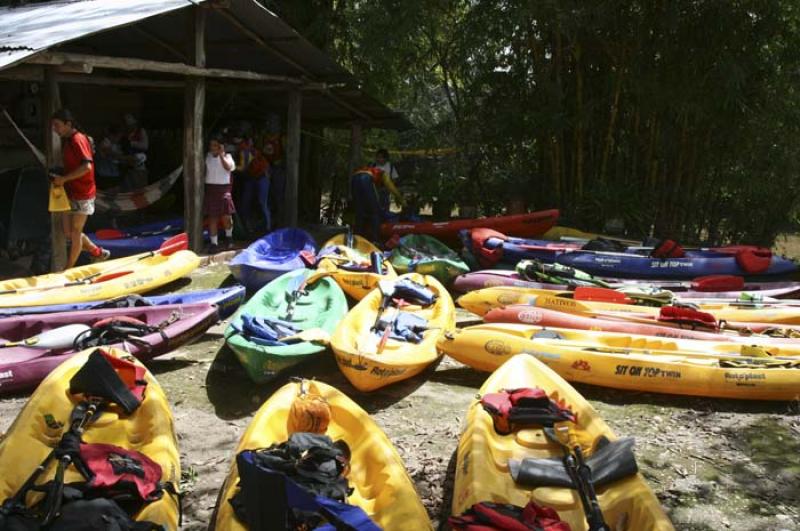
501, 277
23, 367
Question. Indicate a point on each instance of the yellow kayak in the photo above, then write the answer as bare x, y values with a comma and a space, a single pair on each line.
143, 273
357, 284
482, 300
356, 345
40, 424
360, 244
482, 468
696, 373
382, 487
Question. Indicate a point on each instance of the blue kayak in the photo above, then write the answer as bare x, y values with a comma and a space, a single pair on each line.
271, 256
226, 299
629, 265
141, 238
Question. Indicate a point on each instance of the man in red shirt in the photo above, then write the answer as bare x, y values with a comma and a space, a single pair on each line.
78, 181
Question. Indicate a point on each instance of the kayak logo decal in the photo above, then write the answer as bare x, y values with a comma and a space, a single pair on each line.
6, 375
581, 365
497, 348
530, 316
508, 298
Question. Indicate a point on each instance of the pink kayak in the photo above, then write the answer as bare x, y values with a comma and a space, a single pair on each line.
523, 313
23, 367
500, 277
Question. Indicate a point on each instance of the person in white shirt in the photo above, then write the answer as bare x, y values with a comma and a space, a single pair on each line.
218, 200
383, 163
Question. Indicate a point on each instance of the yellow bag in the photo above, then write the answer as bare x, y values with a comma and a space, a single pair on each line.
309, 412
59, 202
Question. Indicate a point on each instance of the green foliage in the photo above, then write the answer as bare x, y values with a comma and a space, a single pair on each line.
678, 115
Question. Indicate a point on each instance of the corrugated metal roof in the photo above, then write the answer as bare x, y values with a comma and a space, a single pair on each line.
28, 29
230, 32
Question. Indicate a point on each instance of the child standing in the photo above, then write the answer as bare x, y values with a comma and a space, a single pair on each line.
218, 201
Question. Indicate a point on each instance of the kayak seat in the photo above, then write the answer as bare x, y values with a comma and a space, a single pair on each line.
610, 462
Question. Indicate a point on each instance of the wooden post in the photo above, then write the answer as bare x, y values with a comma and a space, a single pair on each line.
293, 157
193, 145
355, 147
52, 150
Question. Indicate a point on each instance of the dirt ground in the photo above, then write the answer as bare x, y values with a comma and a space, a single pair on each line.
714, 464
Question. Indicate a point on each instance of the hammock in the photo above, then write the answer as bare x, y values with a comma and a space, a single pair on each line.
141, 198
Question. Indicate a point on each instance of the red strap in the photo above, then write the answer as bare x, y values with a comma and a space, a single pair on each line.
499, 519
118, 319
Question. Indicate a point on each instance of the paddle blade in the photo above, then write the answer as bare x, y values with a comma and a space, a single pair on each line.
179, 242
109, 234
58, 338
589, 293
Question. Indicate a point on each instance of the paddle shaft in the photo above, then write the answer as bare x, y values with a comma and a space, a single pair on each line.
581, 475
36, 152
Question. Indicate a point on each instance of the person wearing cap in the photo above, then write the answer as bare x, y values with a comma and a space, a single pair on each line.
77, 178
366, 184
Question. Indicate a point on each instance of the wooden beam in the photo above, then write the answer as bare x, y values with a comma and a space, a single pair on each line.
356, 137
193, 152
52, 150
293, 157
132, 64
261, 42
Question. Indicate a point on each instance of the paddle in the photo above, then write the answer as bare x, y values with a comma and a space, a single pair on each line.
581, 475
116, 234
169, 247
57, 338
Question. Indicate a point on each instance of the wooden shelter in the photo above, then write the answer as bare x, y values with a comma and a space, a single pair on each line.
179, 61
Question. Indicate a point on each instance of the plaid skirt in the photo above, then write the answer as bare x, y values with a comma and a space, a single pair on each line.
218, 200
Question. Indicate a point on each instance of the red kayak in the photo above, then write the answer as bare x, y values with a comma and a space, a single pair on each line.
523, 225
159, 329
523, 313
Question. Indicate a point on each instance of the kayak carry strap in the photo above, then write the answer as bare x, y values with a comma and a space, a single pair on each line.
610, 462
298, 484
488, 516
513, 409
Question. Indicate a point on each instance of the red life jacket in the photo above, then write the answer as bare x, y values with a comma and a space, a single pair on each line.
754, 260
118, 468
667, 249
487, 516
690, 316
487, 255
516, 408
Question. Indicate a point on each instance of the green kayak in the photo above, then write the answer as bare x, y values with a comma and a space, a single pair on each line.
427, 256
317, 310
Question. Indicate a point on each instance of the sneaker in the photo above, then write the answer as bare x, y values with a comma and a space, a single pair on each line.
212, 249
104, 255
